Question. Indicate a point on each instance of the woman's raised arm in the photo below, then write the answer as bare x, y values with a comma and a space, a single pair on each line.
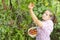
35, 19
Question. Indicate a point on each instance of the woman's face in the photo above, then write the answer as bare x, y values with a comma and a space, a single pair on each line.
46, 15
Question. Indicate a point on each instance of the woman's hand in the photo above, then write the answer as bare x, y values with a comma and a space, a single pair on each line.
31, 6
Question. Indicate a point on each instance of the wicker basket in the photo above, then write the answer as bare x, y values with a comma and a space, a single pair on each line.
31, 34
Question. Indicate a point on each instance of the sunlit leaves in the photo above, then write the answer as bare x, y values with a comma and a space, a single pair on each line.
9, 29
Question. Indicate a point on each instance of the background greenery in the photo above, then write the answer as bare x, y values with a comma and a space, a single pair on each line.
15, 19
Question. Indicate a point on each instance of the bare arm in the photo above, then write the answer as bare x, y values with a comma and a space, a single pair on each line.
35, 19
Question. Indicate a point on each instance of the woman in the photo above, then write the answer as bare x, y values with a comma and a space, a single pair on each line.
45, 27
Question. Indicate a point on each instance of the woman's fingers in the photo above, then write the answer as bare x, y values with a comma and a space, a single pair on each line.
31, 5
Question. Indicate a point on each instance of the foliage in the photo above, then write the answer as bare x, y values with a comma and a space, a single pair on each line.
15, 22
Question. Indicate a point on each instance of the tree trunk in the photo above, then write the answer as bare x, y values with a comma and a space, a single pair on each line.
10, 5
4, 5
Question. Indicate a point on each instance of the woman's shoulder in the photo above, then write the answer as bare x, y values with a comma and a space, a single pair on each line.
48, 22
